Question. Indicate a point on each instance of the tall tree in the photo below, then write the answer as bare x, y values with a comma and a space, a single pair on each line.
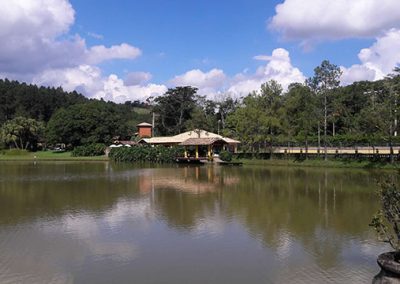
93, 122
203, 116
271, 102
256, 121
225, 106
301, 114
21, 132
174, 109
326, 77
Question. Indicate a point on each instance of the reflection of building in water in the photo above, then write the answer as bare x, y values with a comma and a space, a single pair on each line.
195, 180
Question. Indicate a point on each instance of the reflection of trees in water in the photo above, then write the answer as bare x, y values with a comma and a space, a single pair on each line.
317, 208
29, 191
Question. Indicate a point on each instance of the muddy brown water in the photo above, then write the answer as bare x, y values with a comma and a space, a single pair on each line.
98, 222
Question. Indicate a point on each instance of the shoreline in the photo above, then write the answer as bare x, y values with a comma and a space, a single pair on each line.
332, 163
321, 163
50, 156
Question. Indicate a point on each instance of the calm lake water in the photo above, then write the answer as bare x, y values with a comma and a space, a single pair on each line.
97, 222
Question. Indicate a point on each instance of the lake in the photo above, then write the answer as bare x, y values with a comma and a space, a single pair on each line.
98, 222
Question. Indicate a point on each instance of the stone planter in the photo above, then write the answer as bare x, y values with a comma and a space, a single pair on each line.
389, 262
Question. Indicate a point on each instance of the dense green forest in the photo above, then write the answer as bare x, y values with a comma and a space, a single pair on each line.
316, 112
31, 114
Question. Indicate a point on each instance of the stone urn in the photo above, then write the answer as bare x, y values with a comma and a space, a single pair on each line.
389, 263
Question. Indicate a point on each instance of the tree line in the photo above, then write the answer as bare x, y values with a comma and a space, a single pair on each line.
318, 112
30, 115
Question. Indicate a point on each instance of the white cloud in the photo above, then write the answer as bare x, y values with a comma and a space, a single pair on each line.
278, 68
84, 78
214, 82
95, 35
137, 78
356, 73
214, 78
35, 47
30, 41
115, 90
321, 19
89, 81
376, 61
100, 53
39, 18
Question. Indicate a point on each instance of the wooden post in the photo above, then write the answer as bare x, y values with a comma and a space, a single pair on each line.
209, 152
197, 151
185, 152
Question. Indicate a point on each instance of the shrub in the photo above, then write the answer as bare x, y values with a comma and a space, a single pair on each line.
225, 156
387, 221
89, 150
156, 154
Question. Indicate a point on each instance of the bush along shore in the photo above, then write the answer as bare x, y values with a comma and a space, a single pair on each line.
90, 150
321, 163
156, 154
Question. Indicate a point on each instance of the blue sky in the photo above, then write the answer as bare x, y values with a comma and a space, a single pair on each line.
179, 35
120, 50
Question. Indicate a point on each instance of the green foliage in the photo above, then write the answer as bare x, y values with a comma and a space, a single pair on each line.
40, 103
89, 150
20, 99
174, 109
93, 122
203, 116
257, 119
225, 156
387, 221
156, 154
21, 133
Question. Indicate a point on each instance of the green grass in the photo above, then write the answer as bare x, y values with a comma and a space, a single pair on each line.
46, 155
140, 110
322, 163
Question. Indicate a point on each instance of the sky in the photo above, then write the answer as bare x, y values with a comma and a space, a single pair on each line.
131, 50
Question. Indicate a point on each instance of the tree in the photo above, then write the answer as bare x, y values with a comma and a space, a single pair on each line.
203, 115
249, 122
271, 102
387, 221
93, 122
21, 132
301, 111
257, 120
326, 77
225, 107
174, 109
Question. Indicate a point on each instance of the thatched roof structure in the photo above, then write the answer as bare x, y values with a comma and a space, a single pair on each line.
202, 141
194, 134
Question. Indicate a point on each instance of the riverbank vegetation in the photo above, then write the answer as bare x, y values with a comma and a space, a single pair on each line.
33, 117
321, 163
157, 154
90, 150
317, 112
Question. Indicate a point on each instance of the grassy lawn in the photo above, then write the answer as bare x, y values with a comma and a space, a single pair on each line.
47, 155
140, 110
322, 163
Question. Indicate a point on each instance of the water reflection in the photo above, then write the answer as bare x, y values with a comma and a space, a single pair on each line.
100, 222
